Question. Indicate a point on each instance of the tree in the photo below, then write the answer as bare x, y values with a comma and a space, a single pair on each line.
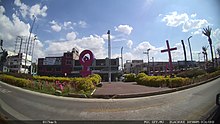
207, 32
204, 52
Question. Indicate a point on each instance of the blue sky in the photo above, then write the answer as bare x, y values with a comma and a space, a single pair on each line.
135, 25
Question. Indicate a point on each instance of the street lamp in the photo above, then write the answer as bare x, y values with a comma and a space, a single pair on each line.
153, 65
109, 57
147, 60
25, 64
190, 48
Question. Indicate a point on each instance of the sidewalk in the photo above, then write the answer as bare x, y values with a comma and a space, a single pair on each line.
124, 90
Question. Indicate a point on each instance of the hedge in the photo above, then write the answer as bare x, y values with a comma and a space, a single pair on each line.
51, 79
130, 77
191, 73
160, 81
95, 78
48, 84
14, 80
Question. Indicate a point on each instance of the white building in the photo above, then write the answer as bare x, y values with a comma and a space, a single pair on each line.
131, 66
16, 63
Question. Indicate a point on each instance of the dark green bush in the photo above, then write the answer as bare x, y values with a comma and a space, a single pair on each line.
191, 73
129, 77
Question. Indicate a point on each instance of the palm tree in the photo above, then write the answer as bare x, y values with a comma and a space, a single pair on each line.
207, 32
204, 52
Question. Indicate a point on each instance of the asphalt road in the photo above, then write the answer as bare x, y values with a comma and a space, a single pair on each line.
189, 104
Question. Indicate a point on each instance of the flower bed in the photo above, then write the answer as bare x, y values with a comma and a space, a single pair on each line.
51, 85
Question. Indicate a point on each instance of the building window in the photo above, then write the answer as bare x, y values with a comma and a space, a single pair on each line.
77, 63
49, 69
113, 62
68, 62
100, 62
58, 69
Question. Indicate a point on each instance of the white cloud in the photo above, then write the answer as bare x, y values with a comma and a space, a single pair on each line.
126, 29
71, 36
194, 24
105, 37
94, 43
11, 28
197, 32
82, 24
55, 26
174, 19
129, 43
35, 10
216, 36
67, 25
193, 15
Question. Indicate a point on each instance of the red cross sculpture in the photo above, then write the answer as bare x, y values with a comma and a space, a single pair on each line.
169, 53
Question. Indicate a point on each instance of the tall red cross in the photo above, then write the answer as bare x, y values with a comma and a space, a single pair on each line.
169, 53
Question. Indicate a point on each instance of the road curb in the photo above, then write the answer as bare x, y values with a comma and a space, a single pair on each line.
135, 95
123, 96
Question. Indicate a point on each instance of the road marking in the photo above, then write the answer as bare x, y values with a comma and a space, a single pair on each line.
4, 90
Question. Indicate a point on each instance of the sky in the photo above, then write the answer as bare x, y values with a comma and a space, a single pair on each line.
135, 25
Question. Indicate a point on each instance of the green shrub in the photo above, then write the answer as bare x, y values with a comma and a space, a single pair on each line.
14, 80
140, 76
160, 81
129, 77
20, 75
191, 73
51, 79
95, 78
84, 84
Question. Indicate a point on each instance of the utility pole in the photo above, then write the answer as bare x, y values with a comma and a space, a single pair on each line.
109, 57
28, 43
215, 61
148, 67
35, 37
184, 50
122, 59
190, 48
19, 55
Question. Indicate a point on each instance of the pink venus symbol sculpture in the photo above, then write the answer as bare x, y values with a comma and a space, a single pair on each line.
86, 58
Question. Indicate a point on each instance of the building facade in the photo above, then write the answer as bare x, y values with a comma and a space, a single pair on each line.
16, 63
69, 65
155, 68
57, 66
101, 67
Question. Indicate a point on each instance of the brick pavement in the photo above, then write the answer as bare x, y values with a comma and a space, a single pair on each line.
115, 88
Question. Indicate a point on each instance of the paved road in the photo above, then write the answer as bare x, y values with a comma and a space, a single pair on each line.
188, 104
